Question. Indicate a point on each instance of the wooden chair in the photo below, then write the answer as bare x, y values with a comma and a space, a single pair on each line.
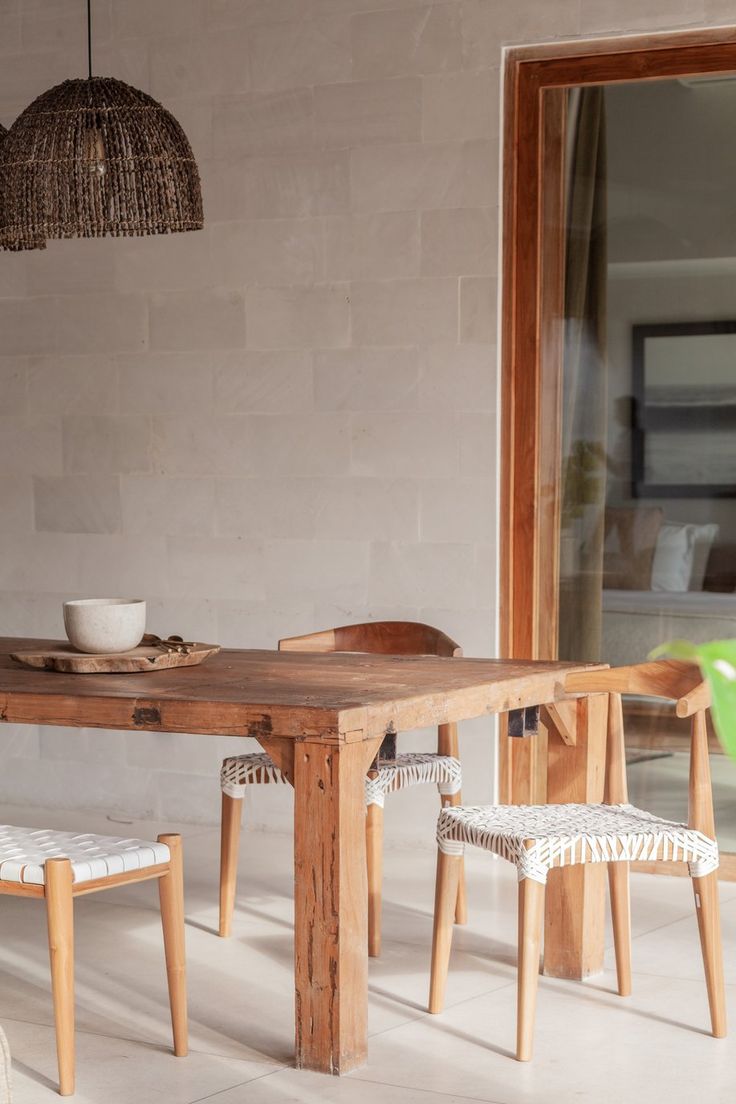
410, 769
539, 837
59, 866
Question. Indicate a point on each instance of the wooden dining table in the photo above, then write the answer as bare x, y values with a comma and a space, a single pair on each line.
322, 718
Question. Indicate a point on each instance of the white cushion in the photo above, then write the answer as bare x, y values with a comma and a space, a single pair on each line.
23, 852
674, 554
705, 535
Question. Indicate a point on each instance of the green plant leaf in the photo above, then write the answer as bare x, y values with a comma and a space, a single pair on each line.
718, 663
717, 660
676, 649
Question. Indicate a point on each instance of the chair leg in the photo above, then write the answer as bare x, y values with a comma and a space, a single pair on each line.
531, 916
461, 905
618, 885
445, 899
60, 919
232, 812
171, 896
374, 861
708, 910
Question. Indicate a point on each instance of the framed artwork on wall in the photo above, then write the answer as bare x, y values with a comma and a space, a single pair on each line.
684, 410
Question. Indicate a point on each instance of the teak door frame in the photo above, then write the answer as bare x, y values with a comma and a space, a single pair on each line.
531, 302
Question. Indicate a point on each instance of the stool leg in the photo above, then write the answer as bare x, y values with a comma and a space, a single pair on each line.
618, 885
60, 919
171, 896
445, 899
374, 861
531, 916
708, 911
232, 811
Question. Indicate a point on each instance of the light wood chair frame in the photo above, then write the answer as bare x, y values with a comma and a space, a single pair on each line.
380, 638
670, 679
59, 893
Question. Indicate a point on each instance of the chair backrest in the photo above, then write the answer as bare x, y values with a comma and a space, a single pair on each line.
385, 638
671, 679
378, 637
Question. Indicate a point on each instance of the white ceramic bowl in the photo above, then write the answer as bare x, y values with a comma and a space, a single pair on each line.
105, 625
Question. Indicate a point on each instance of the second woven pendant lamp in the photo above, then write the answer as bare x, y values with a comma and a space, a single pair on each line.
39, 243
93, 157
15, 245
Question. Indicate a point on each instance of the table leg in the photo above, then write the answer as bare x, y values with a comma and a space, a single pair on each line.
330, 905
574, 914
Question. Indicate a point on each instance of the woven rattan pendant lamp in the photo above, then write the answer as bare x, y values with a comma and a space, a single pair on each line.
93, 157
37, 243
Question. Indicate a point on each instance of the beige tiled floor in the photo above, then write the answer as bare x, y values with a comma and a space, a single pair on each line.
590, 1045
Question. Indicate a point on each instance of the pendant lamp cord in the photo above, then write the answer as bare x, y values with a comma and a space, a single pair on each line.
89, 37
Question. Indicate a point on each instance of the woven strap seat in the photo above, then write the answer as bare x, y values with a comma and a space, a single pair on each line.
239, 771
409, 769
538, 837
414, 768
23, 852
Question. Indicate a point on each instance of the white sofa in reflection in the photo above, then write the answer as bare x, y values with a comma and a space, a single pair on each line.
636, 621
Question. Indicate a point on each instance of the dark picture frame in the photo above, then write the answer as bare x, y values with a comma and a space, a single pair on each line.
674, 415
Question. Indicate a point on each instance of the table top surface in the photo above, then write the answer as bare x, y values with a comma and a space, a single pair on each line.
340, 695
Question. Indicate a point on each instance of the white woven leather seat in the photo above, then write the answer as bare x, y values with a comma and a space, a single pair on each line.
414, 768
23, 852
408, 769
538, 837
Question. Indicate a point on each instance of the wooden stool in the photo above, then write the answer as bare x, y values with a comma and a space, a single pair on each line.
59, 866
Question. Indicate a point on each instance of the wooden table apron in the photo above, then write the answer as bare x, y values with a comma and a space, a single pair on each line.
322, 718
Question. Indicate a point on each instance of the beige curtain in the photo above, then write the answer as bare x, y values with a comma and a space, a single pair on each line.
584, 384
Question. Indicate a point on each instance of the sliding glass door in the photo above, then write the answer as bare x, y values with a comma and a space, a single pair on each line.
625, 537
647, 516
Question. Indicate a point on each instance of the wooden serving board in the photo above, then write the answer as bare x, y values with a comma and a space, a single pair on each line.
66, 659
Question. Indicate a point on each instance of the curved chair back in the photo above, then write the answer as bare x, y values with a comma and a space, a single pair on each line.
405, 638
666, 678
378, 637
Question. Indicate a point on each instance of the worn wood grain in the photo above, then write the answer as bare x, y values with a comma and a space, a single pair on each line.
284, 694
331, 929
574, 916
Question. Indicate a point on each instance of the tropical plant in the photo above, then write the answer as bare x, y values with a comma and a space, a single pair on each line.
717, 660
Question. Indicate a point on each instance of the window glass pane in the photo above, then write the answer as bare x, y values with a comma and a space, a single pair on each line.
647, 404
